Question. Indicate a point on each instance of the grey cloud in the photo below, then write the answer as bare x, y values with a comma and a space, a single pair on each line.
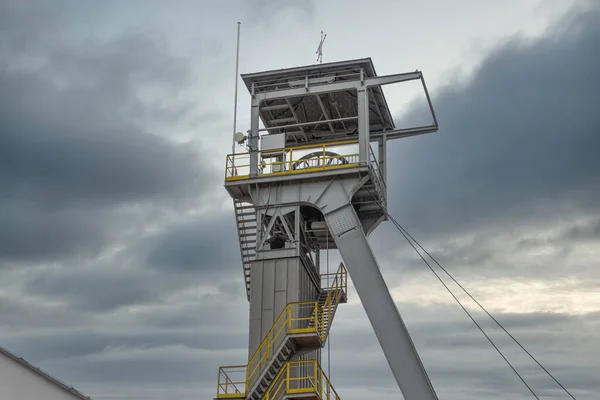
30, 233
70, 144
22, 315
153, 316
267, 11
518, 140
204, 244
78, 343
73, 150
526, 252
94, 289
98, 287
460, 361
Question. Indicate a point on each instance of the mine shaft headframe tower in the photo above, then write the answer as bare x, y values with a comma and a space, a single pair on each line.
315, 176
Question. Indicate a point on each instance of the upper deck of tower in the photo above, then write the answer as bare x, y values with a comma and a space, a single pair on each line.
307, 117
317, 120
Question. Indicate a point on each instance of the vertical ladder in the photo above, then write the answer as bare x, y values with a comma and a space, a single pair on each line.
245, 219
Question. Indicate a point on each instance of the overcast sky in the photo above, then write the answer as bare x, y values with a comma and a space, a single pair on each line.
119, 265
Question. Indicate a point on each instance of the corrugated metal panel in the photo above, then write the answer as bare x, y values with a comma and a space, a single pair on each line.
275, 283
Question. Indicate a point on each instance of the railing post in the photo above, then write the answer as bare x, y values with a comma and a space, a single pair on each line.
322, 310
287, 377
219, 382
316, 374
289, 318
316, 317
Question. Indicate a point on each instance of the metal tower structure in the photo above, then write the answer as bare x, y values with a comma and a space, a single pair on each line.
314, 177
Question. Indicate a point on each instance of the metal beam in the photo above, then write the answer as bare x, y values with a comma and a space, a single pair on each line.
363, 124
275, 107
379, 305
402, 133
289, 103
336, 87
253, 139
307, 123
395, 78
324, 111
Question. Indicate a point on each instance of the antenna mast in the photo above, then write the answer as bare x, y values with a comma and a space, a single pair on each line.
237, 65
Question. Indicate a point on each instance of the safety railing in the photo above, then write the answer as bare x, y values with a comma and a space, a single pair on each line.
297, 317
336, 280
339, 285
301, 377
295, 160
231, 383
293, 319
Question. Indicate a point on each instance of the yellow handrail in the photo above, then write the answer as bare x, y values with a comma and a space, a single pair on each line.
294, 318
227, 387
339, 284
301, 377
237, 166
287, 324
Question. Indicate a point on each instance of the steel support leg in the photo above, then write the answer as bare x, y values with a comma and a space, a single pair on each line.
381, 310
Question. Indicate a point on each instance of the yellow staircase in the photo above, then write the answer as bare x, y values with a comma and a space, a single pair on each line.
300, 328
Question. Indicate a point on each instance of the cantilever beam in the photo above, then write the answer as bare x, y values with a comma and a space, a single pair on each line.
309, 88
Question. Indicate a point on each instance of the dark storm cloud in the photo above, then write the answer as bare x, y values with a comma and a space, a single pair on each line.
99, 287
206, 245
72, 150
518, 140
71, 143
30, 232
93, 289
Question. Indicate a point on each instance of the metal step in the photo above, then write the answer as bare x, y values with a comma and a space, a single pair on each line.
328, 313
271, 372
246, 226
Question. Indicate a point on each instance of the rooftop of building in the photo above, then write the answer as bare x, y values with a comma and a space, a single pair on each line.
45, 375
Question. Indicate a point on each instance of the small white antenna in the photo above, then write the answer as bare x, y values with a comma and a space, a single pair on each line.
320, 48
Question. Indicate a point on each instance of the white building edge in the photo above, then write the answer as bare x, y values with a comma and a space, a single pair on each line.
20, 380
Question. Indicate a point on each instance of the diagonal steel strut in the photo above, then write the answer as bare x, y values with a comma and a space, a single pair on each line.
381, 310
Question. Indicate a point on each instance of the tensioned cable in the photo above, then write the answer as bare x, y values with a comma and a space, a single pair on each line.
466, 311
484, 310
399, 227
407, 235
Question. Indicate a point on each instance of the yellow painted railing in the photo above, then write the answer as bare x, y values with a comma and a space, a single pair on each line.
295, 160
295, 318
232, 382
337, 283
301, 377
